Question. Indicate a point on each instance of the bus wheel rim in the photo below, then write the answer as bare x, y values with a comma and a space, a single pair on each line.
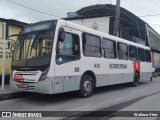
87, 86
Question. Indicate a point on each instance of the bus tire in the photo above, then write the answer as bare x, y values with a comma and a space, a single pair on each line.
135, 80
86, 86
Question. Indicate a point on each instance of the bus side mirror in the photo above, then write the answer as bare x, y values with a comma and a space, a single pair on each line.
61, 35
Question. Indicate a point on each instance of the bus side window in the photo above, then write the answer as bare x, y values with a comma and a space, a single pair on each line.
122, 51
132, 52
148, 55
141, 54
68, 49
91, 45
109, 49
76, 47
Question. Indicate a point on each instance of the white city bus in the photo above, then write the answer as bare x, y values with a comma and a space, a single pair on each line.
58, 56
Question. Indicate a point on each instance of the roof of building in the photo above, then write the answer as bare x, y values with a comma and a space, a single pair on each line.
127, 19
131, 26
13, 22
101, 10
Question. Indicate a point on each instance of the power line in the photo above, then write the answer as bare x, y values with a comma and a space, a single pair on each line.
33, 9
110, 2
62, 5
150, 15
153, 24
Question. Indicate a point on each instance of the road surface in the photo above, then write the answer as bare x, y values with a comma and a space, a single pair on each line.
145, 97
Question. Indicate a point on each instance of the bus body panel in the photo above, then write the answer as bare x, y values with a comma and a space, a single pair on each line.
106, 75
146, 71
67, 76
67, 83
45, 86
51, 72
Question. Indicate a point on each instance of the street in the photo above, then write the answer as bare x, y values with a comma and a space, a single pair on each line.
122, 97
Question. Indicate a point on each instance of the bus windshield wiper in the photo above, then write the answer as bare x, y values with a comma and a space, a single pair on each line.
35, 40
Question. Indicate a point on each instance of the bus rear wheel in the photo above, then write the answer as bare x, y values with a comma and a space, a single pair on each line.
86, 86
135, 80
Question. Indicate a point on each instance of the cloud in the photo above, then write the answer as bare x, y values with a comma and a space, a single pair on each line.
61, 7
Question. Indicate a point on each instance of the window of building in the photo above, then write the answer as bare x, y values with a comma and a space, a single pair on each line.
148, 55
141, 54
109, 48
132, 52
68, 49
91, 45
122, 51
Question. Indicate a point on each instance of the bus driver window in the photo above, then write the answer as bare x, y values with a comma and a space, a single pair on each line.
68, 49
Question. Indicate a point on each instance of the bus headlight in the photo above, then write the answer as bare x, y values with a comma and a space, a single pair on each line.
44, 74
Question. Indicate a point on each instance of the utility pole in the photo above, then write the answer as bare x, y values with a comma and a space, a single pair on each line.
4, 55
117, 19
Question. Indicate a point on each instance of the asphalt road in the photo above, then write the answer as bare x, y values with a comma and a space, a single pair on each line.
145, 97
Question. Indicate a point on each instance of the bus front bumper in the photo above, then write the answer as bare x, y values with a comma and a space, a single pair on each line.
45, 87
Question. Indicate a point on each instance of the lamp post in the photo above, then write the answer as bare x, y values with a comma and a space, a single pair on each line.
4, 55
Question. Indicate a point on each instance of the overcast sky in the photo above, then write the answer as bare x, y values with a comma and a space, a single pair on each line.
60, 8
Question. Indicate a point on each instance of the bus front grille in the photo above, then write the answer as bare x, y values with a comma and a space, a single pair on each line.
25, 88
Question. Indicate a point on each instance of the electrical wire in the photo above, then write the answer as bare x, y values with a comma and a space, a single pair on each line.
150, 15
65, 7
34, 9
110, 2
62, 5
153, 25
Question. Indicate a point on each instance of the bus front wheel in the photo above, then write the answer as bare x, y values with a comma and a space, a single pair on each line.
135, 80
86, 86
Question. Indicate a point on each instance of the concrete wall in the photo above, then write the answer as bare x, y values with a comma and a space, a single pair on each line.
99, 23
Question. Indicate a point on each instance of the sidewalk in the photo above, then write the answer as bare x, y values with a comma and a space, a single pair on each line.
7, 93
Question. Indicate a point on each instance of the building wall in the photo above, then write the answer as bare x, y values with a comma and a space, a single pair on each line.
14, 30
99, 23
153, 38
10, 42
1, 29
156, 57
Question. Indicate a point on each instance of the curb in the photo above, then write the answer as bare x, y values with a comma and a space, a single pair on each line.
14, 95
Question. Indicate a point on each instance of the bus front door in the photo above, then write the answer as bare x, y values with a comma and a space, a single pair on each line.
67, 66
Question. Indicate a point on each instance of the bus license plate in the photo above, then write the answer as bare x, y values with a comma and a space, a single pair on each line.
24, 85
18, 77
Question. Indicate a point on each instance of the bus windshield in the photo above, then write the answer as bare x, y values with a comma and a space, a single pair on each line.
33, 46
33, 49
